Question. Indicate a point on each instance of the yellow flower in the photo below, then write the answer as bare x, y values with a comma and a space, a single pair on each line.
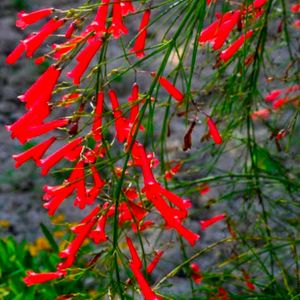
4, 223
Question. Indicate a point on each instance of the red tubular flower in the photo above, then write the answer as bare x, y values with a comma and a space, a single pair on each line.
144, 286
172, 216
26, 19
15, 54
55, 195
273, 95
170, 88
131, 212
134, 110
207, 223
37, 130
196, 274
70, 252
204, 189
135, 265
213, 131
247, 279
100, 19
259, 3
278, 103
77, 178
262, 114
296, 24
41, 90
96, 130
77, 228
117, 28
96, 189
225, 29
27, 133
70, 30
134, 255
140, 159
33, 117
84, 59
221, 295
295, 8
140, 41
292, 88
154, 262
51, 160
235, 46
121, 123
35, 153
209, 33
131, 193
127, 7
37, 278
33, 42
98, 234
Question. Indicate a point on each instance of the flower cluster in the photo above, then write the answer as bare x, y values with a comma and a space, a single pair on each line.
218, 32
68, 141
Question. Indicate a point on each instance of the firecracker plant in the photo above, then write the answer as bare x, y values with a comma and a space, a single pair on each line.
198, 63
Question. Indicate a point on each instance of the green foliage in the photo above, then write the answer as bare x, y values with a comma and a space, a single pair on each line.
15, 260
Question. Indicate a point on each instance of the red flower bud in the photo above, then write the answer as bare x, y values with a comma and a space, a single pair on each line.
206, 223
70, 30
196, 274
154, 262
121, 123
247, 279
140, 41
169, 87
134, 110
213, 131
96, 130
170, 173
